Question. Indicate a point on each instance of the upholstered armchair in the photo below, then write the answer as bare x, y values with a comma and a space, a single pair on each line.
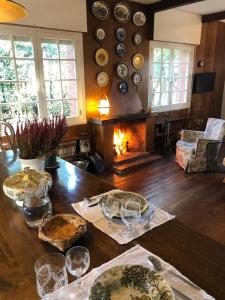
193, 152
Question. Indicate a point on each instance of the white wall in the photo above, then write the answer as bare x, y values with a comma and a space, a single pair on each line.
58, 14
177, 26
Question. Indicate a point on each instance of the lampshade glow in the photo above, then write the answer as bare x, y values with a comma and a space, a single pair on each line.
11, 11
103, 106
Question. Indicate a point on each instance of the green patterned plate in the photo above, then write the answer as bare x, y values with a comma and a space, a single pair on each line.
130, 283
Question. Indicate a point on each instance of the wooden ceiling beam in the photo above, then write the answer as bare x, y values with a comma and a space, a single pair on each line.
213, 17
168, 4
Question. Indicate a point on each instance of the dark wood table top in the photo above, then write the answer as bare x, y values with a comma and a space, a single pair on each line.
196, 256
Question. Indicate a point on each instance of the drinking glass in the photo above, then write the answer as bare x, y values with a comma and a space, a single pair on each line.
110, 208
130, 214
78, 262
51, 275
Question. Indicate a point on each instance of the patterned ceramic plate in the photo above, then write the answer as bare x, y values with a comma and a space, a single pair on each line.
130, 282
122, 12
137, 38
99, 34
139, 18
102, 79
101, 10
120, 49
137, 78
138, 61
121, 34
122, 70
123, 87
101, 57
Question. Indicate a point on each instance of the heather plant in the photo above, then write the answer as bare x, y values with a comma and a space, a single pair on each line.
38, 138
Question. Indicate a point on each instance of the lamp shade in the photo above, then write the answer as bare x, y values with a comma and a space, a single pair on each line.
11, 11
103, 106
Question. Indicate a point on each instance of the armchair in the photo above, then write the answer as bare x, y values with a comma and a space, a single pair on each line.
193, 152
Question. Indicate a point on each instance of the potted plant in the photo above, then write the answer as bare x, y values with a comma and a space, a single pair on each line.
37, 140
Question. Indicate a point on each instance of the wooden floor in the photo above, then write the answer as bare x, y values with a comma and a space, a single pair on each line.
197, 200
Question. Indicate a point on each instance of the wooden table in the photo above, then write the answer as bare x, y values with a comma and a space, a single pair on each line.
195, 255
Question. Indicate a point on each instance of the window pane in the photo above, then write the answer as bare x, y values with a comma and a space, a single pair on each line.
28, 91
156, 99
165, 70
23, 47
70, 108
166, 55
69, 89
8, 93
68, 70
7, 113
29, 111
53, 90
180, 84
5, 46
25, 70
157, 54
183, 97
165, 99
181, 70
49, 48
66, 49
157, 70
156, 85
51, 69
165, 85
54, 108
180, 56
7, 70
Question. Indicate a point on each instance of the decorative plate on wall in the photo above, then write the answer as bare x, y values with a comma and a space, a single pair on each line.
121, 34
137, 38
137, 78
101, 57
123, 87
102, 79
101, 10
139, 18
99, 34
138, 61
122, 12
120, 49
122, 70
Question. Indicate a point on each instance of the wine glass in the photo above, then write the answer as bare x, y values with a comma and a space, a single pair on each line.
51, 275
110, 208
130, 215
78, 262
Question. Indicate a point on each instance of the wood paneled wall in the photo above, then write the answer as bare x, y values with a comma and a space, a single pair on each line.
212, 52
93, 92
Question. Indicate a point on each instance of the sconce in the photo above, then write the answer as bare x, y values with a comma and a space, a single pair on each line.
103, 106
11, 11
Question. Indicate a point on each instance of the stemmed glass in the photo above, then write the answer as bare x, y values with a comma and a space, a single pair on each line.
78, 262
130, 215
51, 275
110, 209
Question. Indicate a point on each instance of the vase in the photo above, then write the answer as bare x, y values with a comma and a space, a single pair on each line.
37, 164
51, 162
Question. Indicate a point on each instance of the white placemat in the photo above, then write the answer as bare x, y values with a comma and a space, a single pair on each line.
116, 230
139, 256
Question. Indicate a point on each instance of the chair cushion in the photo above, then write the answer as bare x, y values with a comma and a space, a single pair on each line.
186, 147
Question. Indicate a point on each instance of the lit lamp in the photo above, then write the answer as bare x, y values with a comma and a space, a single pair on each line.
103, 106
11, 11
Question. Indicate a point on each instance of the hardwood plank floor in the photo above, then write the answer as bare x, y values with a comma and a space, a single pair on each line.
197, 200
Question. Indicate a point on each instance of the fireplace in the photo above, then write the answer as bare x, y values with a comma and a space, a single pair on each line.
125, 142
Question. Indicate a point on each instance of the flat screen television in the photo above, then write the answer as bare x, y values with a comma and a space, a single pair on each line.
204, 82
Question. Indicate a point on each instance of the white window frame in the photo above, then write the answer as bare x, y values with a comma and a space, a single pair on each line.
164, 108
36, 35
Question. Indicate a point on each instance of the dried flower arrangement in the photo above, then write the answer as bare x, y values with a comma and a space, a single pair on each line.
38, 138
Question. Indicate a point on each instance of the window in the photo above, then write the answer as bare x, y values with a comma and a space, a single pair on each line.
39, 75
170, 76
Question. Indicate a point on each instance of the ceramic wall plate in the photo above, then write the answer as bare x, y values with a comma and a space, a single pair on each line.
137, 78
101, 57
139, 18
138, 61
137, 38
123, 87
122, 12
101, 10
99, 34
102, 79
122, 70
120, 49
121, 34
